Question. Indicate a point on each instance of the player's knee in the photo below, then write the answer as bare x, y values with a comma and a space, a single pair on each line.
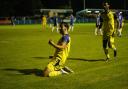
46, 72
104, 46
109, 45
112, 46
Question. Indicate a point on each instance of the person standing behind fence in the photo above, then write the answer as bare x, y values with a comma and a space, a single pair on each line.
71, 23
55, 22
44, 22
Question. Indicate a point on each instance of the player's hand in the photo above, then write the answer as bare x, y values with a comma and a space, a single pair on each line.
51, 42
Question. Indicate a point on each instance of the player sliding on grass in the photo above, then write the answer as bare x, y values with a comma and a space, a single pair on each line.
108, 30
57, 64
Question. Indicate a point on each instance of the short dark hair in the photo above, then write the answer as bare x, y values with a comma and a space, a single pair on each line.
105, 2
65, 24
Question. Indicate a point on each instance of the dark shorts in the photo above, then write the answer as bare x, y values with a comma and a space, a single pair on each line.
55, 24
99, 26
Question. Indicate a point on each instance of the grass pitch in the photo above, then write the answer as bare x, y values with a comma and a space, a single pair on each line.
24, 53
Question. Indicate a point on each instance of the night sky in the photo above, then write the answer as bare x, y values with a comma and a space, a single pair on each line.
115, 4
77, 5
27, 7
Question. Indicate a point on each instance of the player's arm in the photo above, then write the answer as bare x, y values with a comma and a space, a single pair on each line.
111, 24
62, 46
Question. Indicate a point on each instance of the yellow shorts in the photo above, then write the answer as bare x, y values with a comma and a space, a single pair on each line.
44, 24
54, 65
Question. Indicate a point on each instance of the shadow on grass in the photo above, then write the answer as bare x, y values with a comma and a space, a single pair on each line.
88, 60
36, 72
40, 57
50, 57
81, 59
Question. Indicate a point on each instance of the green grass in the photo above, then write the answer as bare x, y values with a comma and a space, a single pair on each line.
24, 48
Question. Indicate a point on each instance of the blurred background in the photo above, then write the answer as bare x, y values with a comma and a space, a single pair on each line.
30, 11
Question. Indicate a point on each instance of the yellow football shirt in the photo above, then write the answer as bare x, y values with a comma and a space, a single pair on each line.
108, 23
62, 54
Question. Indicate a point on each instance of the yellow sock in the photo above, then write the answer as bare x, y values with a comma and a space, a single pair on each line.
106, 53
54, 73
108, 56
120, 30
